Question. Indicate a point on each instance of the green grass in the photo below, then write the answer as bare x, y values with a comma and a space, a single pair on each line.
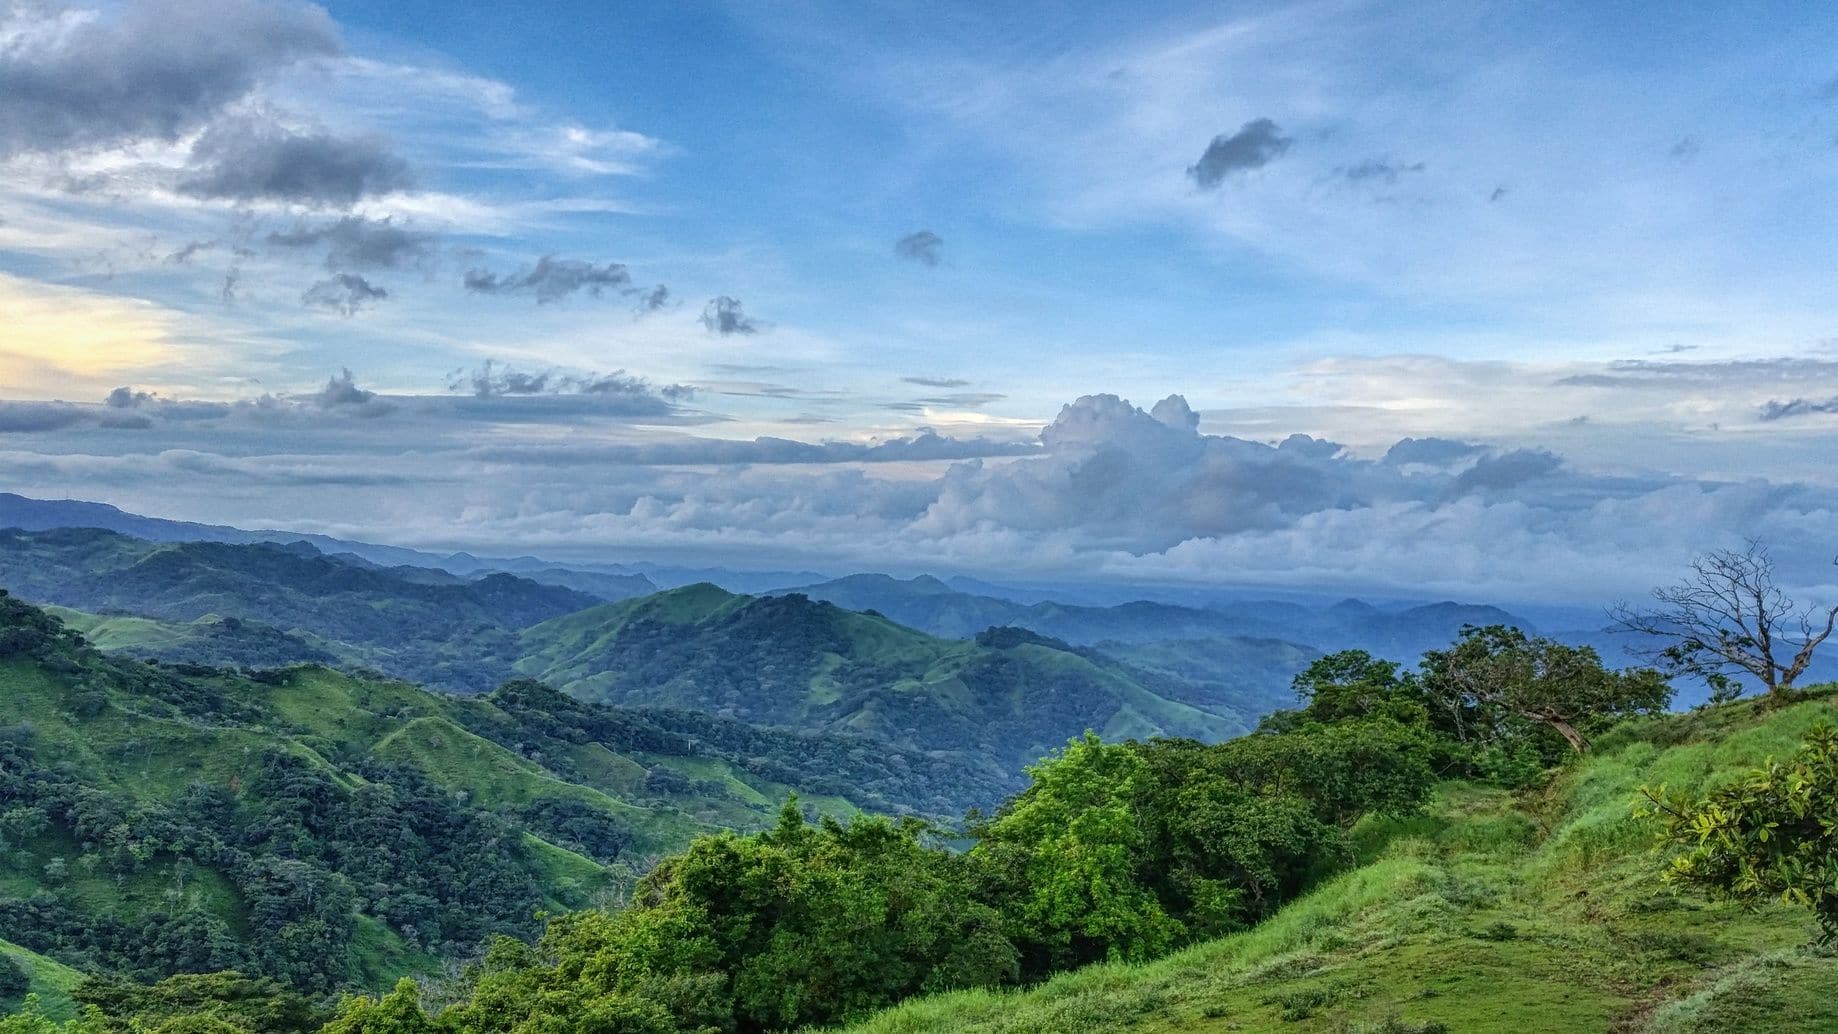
1490, 912
51, 981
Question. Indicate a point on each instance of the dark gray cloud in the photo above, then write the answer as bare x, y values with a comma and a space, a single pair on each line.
354, 242
653, 300
254, 158
937, 382
189, 251
724, 316
1256, 144
552, 279
1506, 471
342, 393
1379, 170
923, 247
156, 70
1776, 409
34, 417
493, 380
344, 293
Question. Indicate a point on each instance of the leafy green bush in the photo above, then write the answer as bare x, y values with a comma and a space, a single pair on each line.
1771, 835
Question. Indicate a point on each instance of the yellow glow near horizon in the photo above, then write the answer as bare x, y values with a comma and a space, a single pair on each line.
65, 342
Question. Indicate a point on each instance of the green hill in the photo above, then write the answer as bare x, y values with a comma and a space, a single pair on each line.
1492, 912
417, 623
1001, 700
336, 831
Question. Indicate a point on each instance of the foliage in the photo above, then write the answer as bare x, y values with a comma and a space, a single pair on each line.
799, 925
227, 998
14, 980
1495, 676
1770, 835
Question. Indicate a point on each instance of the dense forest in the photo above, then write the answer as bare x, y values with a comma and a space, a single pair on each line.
327, 831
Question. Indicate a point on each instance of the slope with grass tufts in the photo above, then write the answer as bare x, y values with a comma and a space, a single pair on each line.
1489, 912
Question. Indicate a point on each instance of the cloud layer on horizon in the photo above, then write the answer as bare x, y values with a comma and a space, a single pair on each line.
1107, 490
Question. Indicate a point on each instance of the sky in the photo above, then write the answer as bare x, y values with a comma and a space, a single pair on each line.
1528, 301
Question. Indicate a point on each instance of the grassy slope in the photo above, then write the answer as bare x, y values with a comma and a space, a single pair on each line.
1488, 913
51, 982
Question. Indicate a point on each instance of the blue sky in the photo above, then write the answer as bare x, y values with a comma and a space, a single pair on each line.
1597, 235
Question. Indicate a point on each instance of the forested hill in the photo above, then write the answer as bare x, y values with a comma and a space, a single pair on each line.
1008, 694
417, 623
333, 831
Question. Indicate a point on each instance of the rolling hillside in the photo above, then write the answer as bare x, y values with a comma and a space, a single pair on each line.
1007, 696
417, 623
1491, 912
173, 819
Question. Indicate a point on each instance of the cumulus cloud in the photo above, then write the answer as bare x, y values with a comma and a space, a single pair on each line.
354, 242
344, 293
1256, 144
155, 71
342, 393
724, 316
552, 279
255, 158
923, 247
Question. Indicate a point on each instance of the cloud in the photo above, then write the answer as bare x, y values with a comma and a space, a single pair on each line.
354, 242
552, 279
922, 247
656, 298
254, 158
33, 417
189, 251
1435, 452
963, 400
620, 389
937, 382
156, 71
926, 446
1378, 170
342, 393
724, 316
1256, 144
344, 293
1776, 409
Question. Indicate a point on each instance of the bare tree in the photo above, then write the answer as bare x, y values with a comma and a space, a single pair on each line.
1728, 618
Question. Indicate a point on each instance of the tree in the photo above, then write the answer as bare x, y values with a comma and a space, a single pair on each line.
1500, 673
14, 980
1772, 835
1728, 618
